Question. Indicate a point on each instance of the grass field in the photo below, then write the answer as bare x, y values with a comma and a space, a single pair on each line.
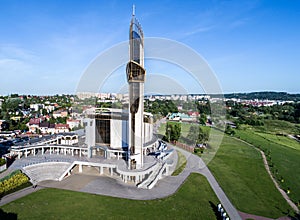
194, 200
284, 160
240, 171
279, 126
280, 139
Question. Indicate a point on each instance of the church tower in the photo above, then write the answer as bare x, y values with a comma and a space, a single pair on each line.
136, 77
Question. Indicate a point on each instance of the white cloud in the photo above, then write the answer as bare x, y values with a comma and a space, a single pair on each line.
199, 30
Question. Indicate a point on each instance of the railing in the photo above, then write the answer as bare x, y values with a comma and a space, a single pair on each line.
86, 163
136, 173
158, 176
183, 146
151, 177
47, 161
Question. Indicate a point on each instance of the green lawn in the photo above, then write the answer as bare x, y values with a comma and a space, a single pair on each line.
284, 160
181, 163
194, 200
280, 139
240, 171
279, 126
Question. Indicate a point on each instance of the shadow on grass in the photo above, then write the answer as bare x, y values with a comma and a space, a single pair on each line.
293, 216
296, 217
187, 141
290, 213
215, 209
8, 215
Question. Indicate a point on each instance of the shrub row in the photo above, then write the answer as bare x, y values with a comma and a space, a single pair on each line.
10, 175
13, 182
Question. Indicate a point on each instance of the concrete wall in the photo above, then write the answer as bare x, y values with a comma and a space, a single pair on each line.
148, 132
3, 167
90, 132
116, 134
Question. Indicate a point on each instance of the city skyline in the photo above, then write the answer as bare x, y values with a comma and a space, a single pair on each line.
251, 46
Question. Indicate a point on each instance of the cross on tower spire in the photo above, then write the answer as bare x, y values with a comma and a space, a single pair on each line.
133, 10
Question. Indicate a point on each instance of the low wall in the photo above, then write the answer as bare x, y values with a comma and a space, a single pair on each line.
183, 146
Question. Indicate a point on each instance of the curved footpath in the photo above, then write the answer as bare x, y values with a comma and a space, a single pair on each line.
282, 192
196, 164
16, 195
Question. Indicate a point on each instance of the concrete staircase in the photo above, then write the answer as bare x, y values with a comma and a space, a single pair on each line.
156, 174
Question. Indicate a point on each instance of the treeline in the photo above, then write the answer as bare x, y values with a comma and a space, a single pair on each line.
160, 107
196, 134
284, 96
254, 115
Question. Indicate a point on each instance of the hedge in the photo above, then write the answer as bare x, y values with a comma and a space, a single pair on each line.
2, 161
13, 181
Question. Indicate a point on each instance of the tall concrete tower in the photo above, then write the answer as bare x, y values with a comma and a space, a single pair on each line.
136, 78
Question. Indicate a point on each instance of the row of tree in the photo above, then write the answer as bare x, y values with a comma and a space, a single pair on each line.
254, 115
196, 135
265, 95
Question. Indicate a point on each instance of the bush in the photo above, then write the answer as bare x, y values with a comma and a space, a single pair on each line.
10, 175
2, 161
14, 181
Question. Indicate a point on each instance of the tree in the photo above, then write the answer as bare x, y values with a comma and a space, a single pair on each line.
202, 119
193, 134
173, 131
44, 112
204, 107
202, 136
229, 130
4, 126
175, 134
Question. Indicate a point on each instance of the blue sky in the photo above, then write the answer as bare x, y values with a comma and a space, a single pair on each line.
45, 46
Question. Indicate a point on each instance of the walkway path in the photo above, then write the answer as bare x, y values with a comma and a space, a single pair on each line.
16, 195
196, 164
282, 192
285, 196
256, 217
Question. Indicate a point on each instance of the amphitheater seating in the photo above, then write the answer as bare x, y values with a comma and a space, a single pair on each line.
45, 171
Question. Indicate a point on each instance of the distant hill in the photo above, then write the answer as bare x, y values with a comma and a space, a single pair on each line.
265, 95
